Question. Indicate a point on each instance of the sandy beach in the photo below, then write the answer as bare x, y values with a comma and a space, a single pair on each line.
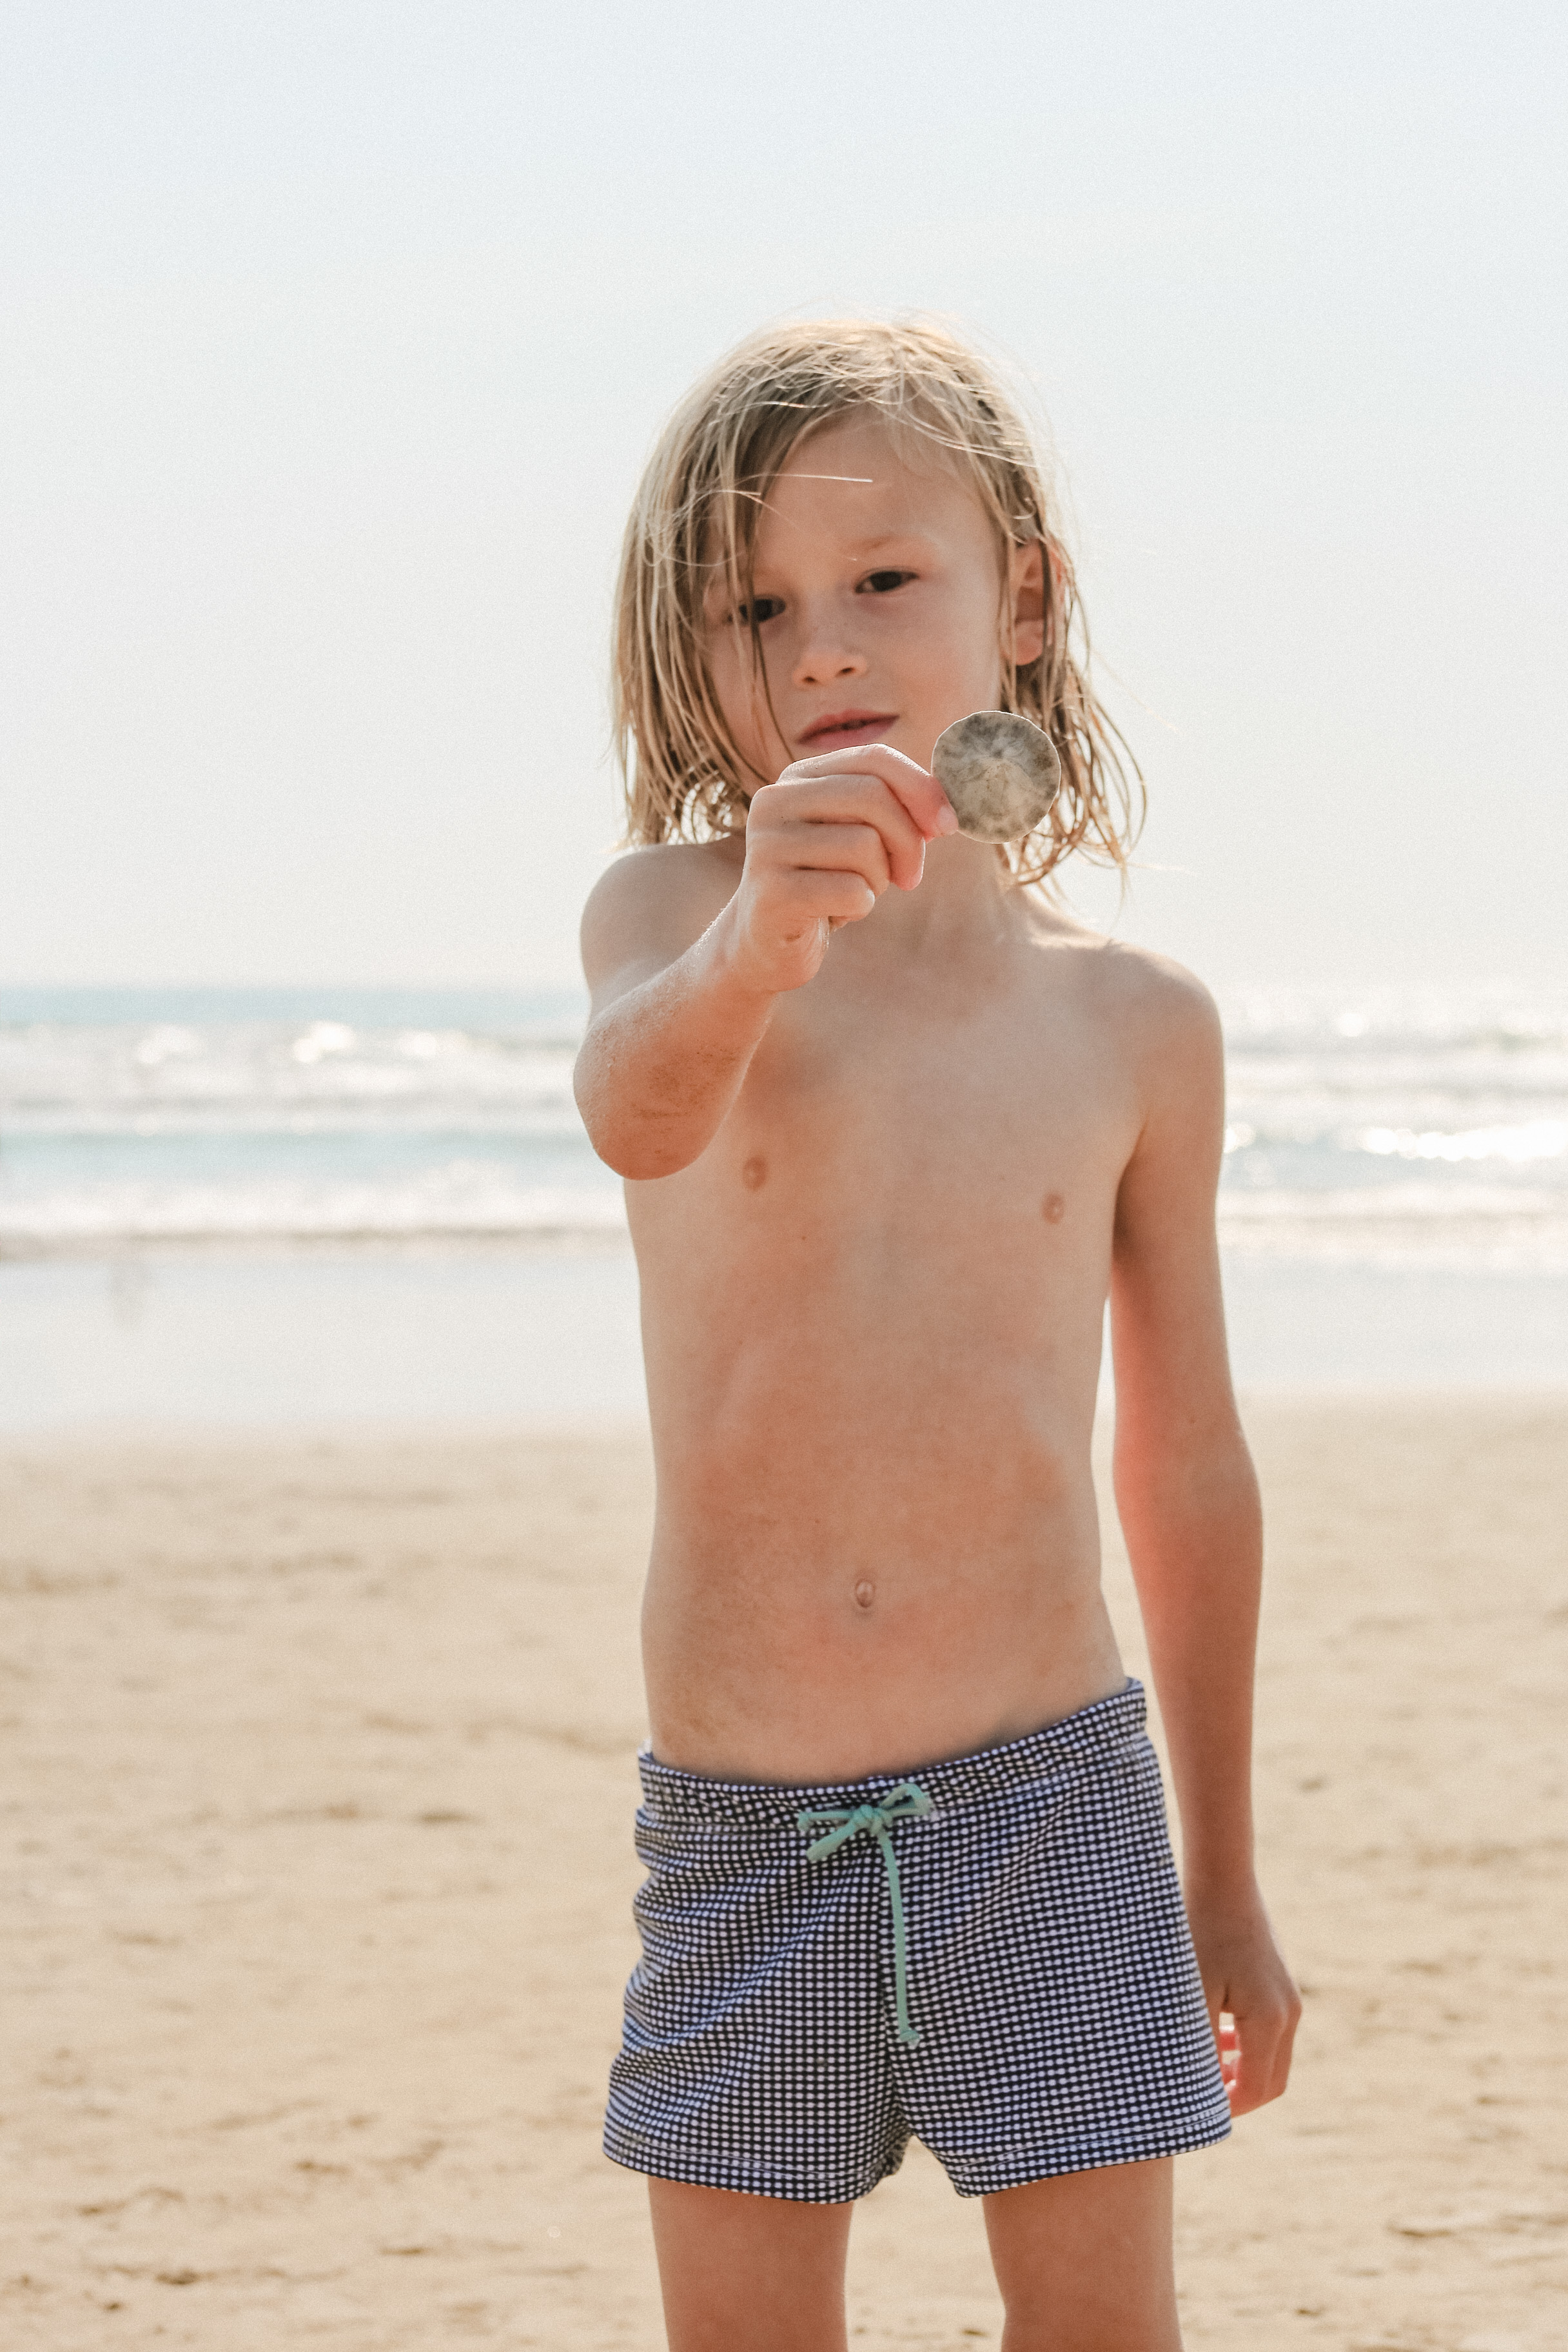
318, 1776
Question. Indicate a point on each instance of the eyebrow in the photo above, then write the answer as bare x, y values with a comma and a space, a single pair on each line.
890, 539
862, 550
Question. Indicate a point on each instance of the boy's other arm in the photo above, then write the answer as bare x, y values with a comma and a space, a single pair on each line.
684, 961
1187, 1496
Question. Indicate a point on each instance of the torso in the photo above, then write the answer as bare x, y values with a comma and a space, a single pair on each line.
872, 1318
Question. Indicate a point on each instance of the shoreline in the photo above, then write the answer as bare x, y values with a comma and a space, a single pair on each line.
111, 1251
549, 1339
1454, 1246
154, 1434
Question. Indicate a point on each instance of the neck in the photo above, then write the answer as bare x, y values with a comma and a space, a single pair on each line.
966, 896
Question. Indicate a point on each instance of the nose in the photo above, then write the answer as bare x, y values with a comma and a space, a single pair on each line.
823, 653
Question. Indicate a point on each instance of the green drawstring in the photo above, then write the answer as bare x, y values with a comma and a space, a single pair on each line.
905, 1803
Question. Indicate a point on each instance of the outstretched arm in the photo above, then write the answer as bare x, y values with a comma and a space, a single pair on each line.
1189, 1506
683, 1000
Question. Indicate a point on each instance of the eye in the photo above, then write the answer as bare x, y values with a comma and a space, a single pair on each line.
881, 583
761, 609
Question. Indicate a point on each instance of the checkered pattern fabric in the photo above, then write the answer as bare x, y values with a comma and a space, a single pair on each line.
1051, 1977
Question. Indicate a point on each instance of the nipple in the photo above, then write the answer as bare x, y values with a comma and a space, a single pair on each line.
1053, 1208
865, 1593
754, 1174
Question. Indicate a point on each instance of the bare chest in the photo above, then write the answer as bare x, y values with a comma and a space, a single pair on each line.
866, 1122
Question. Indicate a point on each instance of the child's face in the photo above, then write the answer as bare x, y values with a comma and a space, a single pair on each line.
880, 604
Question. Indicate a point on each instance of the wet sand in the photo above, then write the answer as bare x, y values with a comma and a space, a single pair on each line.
317, 1779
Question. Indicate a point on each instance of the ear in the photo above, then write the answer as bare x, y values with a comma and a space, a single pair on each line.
1027, 602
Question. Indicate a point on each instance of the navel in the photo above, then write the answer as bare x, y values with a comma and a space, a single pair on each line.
1053, 1208
754, 1174
865, 1593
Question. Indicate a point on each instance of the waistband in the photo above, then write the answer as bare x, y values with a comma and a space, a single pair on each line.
1078, 1742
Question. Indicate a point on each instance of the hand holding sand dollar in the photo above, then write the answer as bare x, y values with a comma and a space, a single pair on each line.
999, 772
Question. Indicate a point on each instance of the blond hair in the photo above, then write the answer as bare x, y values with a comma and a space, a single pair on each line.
695, 520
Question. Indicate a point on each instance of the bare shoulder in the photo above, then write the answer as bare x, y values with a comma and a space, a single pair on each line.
1164, 1007
1163, 1028
651, 905
1154, 1008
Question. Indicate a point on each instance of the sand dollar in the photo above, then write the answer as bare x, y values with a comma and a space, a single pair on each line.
999, 772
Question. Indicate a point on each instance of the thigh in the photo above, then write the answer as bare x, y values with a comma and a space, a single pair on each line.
766, 2273
1084, 2262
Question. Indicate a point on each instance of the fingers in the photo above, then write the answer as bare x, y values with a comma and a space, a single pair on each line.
823, 843
847, 899
1254, 2051
1254, 2007
839, 845
914, 787
832, 898
1223, 2026
827, 822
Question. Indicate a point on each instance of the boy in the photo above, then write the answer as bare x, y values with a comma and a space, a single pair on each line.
893, 1127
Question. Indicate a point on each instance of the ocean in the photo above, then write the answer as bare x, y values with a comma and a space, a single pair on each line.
264, 1204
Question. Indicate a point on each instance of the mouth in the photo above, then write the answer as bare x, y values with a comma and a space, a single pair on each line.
841, 728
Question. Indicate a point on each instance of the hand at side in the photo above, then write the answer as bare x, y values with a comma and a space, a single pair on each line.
1247, 1982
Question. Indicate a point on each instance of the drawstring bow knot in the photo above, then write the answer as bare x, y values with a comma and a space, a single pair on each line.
905, 1803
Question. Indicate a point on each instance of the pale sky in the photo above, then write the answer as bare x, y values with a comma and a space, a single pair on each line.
336, 334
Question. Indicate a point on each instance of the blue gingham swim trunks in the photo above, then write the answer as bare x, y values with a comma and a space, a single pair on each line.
989, 1954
